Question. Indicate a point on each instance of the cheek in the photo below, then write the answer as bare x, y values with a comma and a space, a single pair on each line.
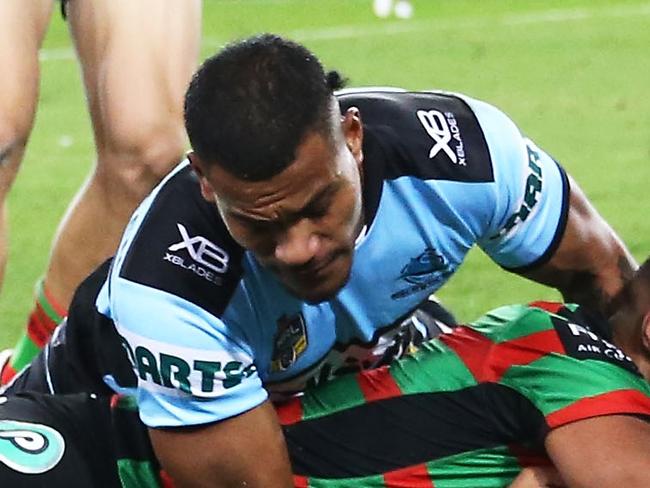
352, 203
346, 213
247, 238
259, 244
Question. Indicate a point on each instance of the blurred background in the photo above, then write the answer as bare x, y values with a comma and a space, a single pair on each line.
573, 74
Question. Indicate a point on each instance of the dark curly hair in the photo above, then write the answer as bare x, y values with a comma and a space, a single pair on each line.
249, 106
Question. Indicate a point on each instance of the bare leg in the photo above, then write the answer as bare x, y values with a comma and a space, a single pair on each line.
22, 27
137, 58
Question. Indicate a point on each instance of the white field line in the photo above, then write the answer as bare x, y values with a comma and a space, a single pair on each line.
357, 31
58, 54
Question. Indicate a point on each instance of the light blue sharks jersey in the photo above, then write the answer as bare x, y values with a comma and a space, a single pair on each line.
210, 333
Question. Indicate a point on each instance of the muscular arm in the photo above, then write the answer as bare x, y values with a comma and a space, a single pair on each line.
607, 452
243, 451
591, 263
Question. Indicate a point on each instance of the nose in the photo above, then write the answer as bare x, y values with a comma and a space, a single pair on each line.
298, 244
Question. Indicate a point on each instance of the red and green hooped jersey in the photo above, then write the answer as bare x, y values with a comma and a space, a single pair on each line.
468, 409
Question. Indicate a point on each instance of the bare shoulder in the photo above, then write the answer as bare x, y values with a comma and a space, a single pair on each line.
606, 451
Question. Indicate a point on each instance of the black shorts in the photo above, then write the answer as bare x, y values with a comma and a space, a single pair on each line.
80, 440
56, 441
63, 8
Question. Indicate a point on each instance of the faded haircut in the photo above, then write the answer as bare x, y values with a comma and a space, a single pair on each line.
249, 106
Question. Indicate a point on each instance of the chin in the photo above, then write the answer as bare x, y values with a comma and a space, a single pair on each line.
324, 290
319, 296
313, 295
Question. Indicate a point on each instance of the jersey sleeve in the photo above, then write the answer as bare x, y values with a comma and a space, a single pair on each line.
569, 373
192, 367
530, 199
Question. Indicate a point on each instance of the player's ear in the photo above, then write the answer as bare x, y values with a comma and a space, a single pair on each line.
353, 132
199, 168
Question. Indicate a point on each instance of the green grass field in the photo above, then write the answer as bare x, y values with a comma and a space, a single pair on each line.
574, 74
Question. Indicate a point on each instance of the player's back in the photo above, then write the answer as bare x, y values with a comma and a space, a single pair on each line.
470, 408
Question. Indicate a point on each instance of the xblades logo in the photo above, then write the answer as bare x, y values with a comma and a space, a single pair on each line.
209, 259
205, 252
30, 448
442, 128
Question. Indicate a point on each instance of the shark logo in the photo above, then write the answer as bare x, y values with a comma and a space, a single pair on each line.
423, 273
30, 448
419, 269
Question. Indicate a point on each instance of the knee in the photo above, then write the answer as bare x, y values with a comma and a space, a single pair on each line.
138, 159
13, 139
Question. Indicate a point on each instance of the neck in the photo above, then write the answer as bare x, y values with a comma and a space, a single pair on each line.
641, 359
622, 332
625, 336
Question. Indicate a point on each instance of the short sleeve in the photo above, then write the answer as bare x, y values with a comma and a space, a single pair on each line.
531, 195
192, 367
586, 376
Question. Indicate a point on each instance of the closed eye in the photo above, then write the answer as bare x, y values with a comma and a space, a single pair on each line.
319, 206
316, 210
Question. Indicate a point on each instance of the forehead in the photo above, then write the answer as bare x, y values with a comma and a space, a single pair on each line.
316, 166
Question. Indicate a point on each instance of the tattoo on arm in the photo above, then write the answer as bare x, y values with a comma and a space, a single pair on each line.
586, 288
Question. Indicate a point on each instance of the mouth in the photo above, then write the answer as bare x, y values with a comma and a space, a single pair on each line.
318, 281
313, 270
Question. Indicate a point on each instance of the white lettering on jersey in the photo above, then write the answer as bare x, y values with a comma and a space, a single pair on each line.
202, 251
177, 371
442, 128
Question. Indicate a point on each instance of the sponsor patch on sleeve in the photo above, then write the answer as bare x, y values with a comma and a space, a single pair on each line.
174, 370
581, 342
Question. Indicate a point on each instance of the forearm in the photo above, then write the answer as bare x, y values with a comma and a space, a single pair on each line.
243, 451
593, 288
591, 263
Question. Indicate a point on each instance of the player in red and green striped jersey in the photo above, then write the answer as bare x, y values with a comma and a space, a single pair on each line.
521, 386
542, 384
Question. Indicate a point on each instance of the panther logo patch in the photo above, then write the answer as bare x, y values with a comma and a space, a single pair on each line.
30, 448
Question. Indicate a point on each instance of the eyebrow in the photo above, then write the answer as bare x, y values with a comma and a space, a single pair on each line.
323, 195
326, 192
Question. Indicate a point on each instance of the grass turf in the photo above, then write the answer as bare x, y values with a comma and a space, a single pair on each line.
572, 73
